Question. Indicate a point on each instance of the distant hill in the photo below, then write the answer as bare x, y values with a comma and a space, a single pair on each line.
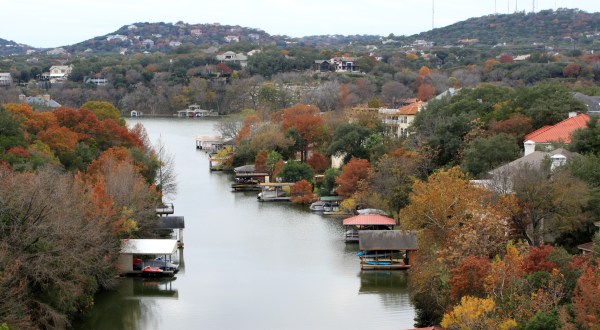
8, 48
519, 28
165, 36
546, 27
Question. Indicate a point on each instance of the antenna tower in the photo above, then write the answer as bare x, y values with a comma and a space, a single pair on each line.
432, 14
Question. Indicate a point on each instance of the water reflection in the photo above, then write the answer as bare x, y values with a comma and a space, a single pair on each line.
251, 265
128, 307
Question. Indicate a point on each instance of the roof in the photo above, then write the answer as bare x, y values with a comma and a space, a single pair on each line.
171, 222
533, 159
587, 247
277, 184
330, 198
244, 169
369, 219
411, 109
374, 240
148, 246
592, 102
559, 132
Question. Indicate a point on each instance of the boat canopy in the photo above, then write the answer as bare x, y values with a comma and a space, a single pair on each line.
330, 198
148, 246
378, 240
369, 220
171, 222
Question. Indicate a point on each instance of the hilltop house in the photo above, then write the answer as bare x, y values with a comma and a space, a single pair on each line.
558, 133
5, 79
231, 57
43, 101
58, 73
398, 120
230, 39
338, 64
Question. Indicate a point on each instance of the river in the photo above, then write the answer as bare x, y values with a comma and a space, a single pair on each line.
250, 265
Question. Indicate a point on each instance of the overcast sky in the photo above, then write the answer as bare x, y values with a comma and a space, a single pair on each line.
53, 23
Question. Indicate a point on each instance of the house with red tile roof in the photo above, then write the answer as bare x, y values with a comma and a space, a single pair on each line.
558, 133
400, 119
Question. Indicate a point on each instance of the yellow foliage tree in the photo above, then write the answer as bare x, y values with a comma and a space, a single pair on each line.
475, 313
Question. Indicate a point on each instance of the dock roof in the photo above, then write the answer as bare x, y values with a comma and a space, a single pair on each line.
377, 240
148, 246
171, 222
369, 219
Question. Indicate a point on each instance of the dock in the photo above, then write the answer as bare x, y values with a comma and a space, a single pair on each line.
386, 249
275, 191
163, 248
247, 178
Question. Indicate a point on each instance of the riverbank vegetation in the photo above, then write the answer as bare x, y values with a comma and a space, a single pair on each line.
499, 252
73, 182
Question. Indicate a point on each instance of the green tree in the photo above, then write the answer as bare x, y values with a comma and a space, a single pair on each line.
587, 140
349, 140
486, 153
294, 171
104, 110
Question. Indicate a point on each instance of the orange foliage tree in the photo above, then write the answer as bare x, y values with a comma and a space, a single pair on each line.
586, 298
468, 277
426, 92
308, 122
353, 173
302, 192
318, 162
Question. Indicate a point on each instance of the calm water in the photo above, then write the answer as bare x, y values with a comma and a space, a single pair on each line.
250, 265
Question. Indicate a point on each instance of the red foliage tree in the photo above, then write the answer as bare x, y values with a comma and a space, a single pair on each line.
355, 171
307, 121
302, 192
223, 68
318, 162
468, 277
517, 125
260, 162
571, 70
59, 139
426, 92
586, 298
537, 259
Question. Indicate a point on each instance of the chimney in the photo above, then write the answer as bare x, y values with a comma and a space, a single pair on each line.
572, 114
529, 147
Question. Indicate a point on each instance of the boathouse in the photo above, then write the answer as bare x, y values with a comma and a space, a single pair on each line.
130, 248
386, 249
275, 191
364, 222
248, 177
173, 223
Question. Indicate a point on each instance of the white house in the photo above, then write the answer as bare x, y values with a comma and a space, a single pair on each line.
5, 79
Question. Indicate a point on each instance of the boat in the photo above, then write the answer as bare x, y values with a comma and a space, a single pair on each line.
326, 204
155, 263
149, 271
274, 191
